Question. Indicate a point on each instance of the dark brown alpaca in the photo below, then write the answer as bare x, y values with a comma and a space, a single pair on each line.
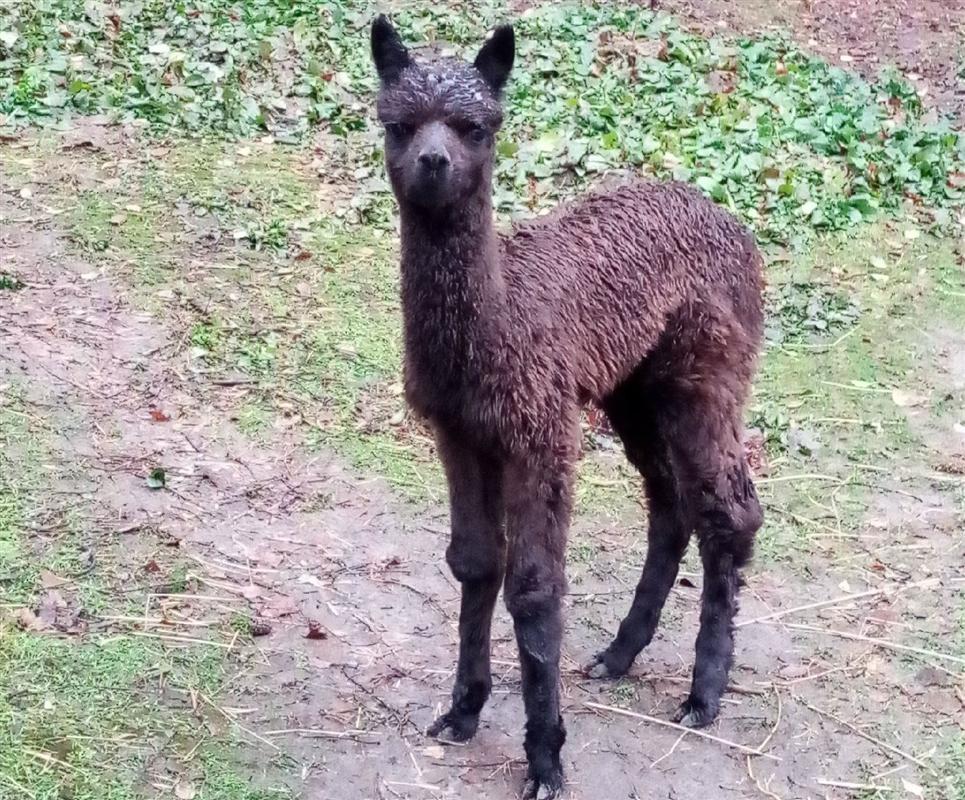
645, 299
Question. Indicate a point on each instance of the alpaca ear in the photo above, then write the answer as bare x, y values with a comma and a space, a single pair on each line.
495, 59
388, 52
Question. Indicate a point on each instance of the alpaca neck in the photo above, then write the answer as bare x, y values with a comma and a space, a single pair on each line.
450, 263
453, 293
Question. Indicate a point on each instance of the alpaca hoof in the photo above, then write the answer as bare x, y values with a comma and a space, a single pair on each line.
454, 727
597, 669
549, 787
694, 714
606, 665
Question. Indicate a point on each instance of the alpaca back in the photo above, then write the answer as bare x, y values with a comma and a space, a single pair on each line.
603, 278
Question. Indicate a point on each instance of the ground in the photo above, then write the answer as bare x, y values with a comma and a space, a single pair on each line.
923, 38
222, 536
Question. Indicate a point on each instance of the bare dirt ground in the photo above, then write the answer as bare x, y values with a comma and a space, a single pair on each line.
859, 689
924, 38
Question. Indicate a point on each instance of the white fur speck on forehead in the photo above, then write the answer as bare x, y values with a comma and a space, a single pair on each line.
441, 87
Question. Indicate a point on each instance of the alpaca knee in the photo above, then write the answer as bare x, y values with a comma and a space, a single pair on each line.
748, 519
475, 562
535, 604
535, 594
730, 528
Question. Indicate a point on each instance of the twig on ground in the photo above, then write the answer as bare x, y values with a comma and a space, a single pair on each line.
858, 732
408, 785
762, 789
807, 476
160, 621
234, 720
179, 639
18, 786
203, 597
839, 600
670, 751
40, 755
857, 787
816, 675
777, 722
904, 648
317, 733
674, 726
888, 772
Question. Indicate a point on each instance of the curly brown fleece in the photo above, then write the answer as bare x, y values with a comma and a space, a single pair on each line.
644, 298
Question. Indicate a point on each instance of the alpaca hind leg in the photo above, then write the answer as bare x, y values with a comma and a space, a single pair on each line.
667, 538
476, 556
633, 417
538, 509
729, 518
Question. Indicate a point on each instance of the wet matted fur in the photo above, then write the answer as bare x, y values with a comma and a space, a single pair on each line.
644, 298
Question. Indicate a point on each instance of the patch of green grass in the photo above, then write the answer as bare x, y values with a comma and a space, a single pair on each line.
623, 694
100, 226
828, 399
104, 708
253, 419
241, 623
97, 715
205, 335
949, 781
9, 283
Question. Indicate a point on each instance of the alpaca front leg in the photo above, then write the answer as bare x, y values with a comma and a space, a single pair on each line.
476, 556
538, 509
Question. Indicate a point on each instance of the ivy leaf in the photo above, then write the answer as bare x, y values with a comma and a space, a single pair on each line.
157, 479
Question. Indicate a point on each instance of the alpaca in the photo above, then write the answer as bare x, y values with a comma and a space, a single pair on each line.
644, 299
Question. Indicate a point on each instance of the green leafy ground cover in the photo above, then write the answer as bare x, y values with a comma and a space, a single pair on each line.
787, 141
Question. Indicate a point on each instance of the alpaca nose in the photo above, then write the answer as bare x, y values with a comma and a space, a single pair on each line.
434, 161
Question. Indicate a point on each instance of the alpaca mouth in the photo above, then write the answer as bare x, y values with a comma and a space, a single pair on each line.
431, 189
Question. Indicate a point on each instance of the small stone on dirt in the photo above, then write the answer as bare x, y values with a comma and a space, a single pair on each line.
251, 592
905, 399
930, 676
184, 790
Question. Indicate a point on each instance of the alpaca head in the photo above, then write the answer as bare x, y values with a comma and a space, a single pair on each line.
440, 117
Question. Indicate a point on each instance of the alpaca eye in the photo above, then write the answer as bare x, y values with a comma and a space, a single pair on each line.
478, 135
398, 130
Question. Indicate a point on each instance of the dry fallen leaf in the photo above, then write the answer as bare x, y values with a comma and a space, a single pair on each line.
49, 580
29, 621
315, 631
930, 676
184, 790
943, 701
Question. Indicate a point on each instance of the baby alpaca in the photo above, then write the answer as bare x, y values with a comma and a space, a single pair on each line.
644, 299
